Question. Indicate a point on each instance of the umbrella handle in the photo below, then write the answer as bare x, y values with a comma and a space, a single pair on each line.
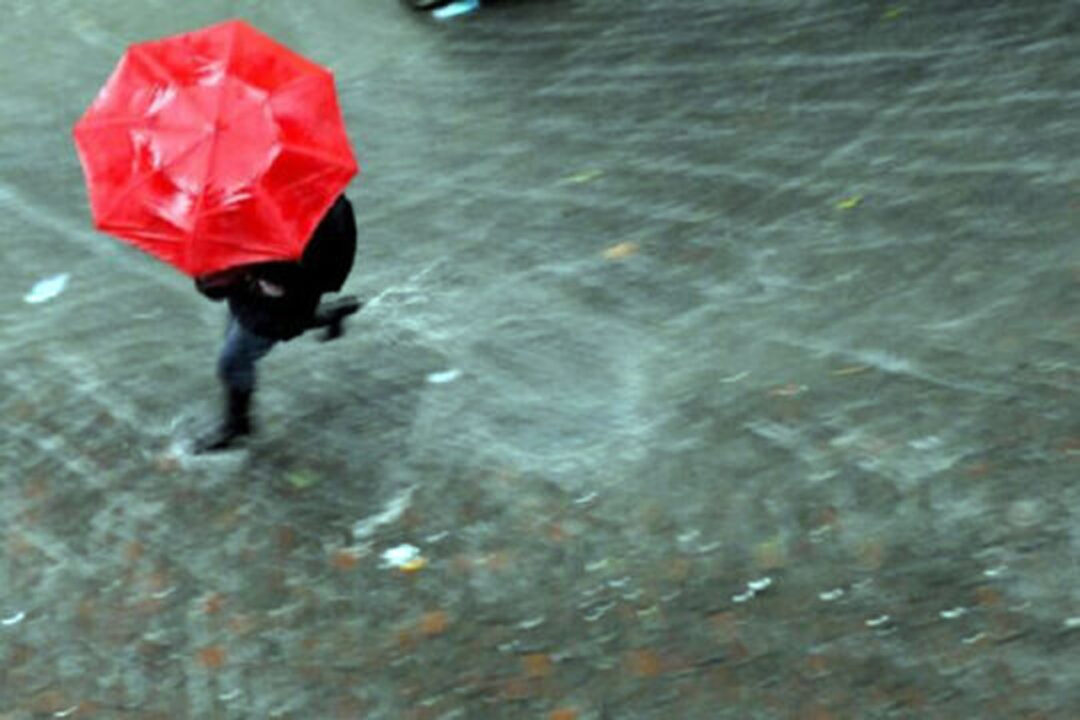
217, 286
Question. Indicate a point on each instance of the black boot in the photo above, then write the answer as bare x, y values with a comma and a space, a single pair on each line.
236, 425
331, 315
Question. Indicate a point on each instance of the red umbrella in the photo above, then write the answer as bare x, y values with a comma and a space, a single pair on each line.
214, 148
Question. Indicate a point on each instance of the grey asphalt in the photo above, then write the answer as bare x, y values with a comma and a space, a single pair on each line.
720, 360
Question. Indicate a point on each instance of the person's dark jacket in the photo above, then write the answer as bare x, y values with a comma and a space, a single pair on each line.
278, 299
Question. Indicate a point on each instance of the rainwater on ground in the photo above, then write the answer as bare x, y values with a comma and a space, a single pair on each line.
720, 360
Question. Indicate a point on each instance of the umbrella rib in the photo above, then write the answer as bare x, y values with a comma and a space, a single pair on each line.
96, 123
267, 201
271, 203
332, 162
316, 153
139, 51
147, 234
150, 62
123, 195
212, 161
316, 72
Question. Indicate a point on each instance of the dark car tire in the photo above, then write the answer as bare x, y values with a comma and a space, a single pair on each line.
424, 4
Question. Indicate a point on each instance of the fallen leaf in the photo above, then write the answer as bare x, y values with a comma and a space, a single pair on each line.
242, 624
36, 489
563, 714
644, 663
537, 665
517, 688
870, 555
133, 551
1070, 446
817, 665
212, 657
852, 370
894, 12
849, 203
166, 462
414, 565
621, 251
987, 596
301, 479
497, 561
737, 650
158, 581
678, 569
582, 177
87, 708
462, 563
401, 555
213, 603
48, 702
724, 625
446, 376
149, 606
46, 289
406, 639
285, 536
454, 9
344, 559
789, 390
770, 554
434, 623
815, 712
20, 655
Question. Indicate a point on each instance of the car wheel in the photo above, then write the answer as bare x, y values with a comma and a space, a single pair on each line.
425, 4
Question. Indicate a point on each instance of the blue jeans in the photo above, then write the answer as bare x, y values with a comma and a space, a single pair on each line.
243, 348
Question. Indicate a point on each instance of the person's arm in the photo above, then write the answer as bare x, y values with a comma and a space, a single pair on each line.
279, 280
217, 286
269, 288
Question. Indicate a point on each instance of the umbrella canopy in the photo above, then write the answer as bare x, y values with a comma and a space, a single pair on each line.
214, 148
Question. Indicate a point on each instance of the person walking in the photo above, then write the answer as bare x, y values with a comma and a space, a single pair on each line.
275, 302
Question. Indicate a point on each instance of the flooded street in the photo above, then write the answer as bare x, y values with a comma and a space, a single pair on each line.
720, 360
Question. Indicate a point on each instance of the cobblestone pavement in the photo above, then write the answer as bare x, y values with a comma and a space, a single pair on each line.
720, 361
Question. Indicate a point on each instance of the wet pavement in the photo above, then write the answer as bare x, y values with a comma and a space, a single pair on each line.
720, 361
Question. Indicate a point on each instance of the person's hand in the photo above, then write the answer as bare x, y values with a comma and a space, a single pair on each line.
217, 286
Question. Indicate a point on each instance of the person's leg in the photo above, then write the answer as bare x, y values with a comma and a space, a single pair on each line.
236, 369
242, 349
331, 314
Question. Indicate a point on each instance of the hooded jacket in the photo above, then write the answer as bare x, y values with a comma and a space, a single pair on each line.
277, 300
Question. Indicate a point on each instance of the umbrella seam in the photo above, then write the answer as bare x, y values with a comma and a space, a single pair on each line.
141, 180
319, 73
139, 52
279, 218
229, 55
318, 154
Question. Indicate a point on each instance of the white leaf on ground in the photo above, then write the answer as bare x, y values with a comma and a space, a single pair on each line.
400, 555
446, 376
47, 288
456, 8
